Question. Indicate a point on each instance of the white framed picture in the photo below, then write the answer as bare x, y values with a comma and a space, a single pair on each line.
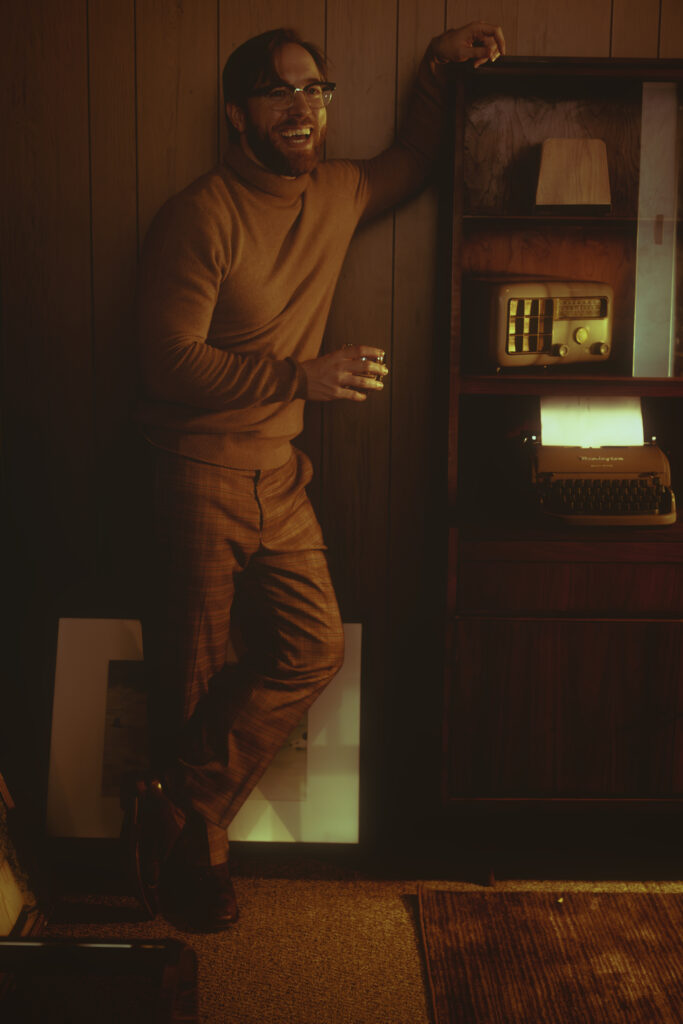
310, 792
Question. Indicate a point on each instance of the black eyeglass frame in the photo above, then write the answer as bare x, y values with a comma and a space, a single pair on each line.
327, 89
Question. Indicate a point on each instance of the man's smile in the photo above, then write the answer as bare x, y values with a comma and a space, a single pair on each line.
296, 134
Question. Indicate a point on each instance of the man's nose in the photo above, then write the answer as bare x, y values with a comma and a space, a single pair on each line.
300, 104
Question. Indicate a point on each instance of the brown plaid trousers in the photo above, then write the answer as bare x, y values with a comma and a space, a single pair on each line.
233, 546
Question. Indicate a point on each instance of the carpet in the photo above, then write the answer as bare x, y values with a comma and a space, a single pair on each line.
543, 958
303, 951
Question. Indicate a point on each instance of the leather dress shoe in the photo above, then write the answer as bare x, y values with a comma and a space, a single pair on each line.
217, 901
149, 833
202, 898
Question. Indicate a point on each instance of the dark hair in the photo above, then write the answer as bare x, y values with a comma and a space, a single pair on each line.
252, 65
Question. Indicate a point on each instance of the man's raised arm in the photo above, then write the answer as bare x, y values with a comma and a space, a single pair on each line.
402, 169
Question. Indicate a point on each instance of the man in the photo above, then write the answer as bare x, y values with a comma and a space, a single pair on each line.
236, 282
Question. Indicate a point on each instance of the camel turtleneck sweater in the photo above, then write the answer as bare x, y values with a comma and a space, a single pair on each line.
236, 280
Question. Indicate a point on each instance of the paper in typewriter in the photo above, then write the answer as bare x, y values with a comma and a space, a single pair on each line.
591, 422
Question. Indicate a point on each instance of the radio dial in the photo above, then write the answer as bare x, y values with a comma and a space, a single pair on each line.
581, 335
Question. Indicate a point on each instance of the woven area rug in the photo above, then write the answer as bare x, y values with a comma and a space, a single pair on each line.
544, 958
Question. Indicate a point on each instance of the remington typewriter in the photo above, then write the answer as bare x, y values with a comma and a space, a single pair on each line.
617, 486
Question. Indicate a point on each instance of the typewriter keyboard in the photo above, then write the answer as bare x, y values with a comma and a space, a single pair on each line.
640, 496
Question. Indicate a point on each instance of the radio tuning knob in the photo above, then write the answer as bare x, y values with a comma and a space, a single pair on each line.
600, 348
581, 335
560, 350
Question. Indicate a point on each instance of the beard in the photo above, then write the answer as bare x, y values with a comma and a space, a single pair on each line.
274, 153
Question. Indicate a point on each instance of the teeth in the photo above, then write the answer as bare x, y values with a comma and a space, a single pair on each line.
297, 133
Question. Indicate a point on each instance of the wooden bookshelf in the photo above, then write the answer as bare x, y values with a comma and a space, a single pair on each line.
564, 645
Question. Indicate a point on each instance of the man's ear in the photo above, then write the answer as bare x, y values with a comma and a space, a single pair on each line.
235, 116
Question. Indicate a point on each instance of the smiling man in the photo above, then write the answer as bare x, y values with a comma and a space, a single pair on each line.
236, 281
282, 122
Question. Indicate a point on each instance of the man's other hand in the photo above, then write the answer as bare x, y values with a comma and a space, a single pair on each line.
340, 374
477, 41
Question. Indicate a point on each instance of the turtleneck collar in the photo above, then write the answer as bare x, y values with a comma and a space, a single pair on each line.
263, 179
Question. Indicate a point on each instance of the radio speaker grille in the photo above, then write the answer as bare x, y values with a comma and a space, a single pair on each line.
530, 325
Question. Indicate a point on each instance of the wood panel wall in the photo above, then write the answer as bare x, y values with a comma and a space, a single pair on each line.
107, 109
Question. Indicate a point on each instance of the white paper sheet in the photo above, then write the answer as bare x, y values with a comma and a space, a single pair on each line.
591, 422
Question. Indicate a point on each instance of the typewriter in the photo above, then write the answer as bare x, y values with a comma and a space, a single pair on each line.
619, 486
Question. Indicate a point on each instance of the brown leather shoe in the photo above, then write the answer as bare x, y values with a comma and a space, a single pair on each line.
149, 832
201, 899
217, 901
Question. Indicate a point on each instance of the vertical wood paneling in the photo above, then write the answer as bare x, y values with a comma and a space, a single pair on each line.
362, 51
536, 28
114, 201
578, 29
241, 21
177, 97
111, 30
635, 28
48, 509
671, 32
419, 367
361, 45
46, 302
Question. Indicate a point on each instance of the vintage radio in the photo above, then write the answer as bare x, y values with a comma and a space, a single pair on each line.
541, 322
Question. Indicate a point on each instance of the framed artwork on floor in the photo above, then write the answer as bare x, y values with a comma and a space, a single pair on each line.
310, 792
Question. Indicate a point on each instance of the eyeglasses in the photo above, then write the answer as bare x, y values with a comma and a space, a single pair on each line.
281, 97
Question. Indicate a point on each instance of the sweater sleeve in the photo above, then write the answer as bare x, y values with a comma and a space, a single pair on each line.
402, 170
184, 261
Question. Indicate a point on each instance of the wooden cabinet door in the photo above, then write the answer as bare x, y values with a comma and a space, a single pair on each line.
564, 708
